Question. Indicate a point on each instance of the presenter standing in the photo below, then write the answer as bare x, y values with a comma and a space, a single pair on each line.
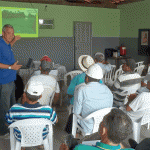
8, 70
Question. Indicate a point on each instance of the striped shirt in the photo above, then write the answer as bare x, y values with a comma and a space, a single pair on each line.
26, 111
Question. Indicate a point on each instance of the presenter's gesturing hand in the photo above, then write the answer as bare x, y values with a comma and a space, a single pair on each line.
15, 66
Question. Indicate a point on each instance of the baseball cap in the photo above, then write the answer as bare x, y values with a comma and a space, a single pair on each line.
34, 88
46, 58
130, 62
46, 65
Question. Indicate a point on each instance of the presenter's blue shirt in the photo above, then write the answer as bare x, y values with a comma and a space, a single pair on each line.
6, 57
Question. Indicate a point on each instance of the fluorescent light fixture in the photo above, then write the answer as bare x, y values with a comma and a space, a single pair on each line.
41, 21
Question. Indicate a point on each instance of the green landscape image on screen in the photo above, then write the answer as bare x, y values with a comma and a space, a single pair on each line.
24, 20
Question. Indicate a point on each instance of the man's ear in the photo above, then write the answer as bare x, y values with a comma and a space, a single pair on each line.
104, 130
87, 79
40, 96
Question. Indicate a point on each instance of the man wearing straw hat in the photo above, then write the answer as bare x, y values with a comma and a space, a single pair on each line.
84, 61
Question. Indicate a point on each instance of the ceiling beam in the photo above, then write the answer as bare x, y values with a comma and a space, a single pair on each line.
104, 4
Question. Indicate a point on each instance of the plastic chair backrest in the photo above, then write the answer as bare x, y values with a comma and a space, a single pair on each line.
139, 69
109, 75
97, 116
47, 96
31, 132
118, 73
72, 75
139, 63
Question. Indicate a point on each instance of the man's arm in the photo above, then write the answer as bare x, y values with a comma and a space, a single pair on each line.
72, 86
56, 98
128, 108
78, 99
15, 66
16, 38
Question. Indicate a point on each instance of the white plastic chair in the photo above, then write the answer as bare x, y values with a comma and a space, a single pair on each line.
109, 76
118, 72
31, 134
72, 74
139, 69
139, 63
47, 96
138, 123
97, 116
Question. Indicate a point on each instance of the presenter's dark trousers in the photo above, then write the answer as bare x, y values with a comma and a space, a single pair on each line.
7, 99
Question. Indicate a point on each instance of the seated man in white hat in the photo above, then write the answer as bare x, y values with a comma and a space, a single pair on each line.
48, 81
99, 59
31, 108
92, 96
126, 84
84, 61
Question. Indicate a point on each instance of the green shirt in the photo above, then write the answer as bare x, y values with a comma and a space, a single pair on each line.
100, 146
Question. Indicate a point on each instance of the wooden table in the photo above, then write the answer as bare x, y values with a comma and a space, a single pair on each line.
117, 60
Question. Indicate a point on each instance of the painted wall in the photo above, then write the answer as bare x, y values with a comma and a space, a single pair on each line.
58, 43
133, 17
105, 22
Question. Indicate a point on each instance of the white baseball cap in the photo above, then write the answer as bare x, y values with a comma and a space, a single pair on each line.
34, 88
85, 61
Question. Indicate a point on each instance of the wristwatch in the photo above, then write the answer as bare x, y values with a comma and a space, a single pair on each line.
9, 67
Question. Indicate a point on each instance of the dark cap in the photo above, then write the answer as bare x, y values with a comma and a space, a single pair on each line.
46, 65
130, 62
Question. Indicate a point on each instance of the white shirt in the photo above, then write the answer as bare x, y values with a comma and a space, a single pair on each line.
138, 106
53, 73
47, 81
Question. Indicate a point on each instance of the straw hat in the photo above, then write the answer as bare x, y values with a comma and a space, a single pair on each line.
85, 61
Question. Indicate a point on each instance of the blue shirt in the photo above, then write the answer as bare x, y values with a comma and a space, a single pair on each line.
78, 79
105, 67
89, 98
99, 146
6, 57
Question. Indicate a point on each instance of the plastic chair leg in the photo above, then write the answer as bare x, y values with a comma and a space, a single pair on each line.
18, 145
136, 131
12, 140
46, 144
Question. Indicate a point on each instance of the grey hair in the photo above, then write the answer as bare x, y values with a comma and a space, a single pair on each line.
7, 26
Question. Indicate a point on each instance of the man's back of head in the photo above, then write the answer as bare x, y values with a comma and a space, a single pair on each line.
99, 57
118, 126
46, 66
33, 90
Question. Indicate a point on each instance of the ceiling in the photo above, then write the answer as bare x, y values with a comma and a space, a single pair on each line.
86, 3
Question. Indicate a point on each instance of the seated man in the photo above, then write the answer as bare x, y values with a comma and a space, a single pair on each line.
53, 73
92, 96
34, 90
84, 61
114, 128
99, 59
126, 84
144, 84
47, 80
136, 107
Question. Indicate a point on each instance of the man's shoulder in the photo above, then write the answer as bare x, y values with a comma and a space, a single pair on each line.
129, 76
86, 147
